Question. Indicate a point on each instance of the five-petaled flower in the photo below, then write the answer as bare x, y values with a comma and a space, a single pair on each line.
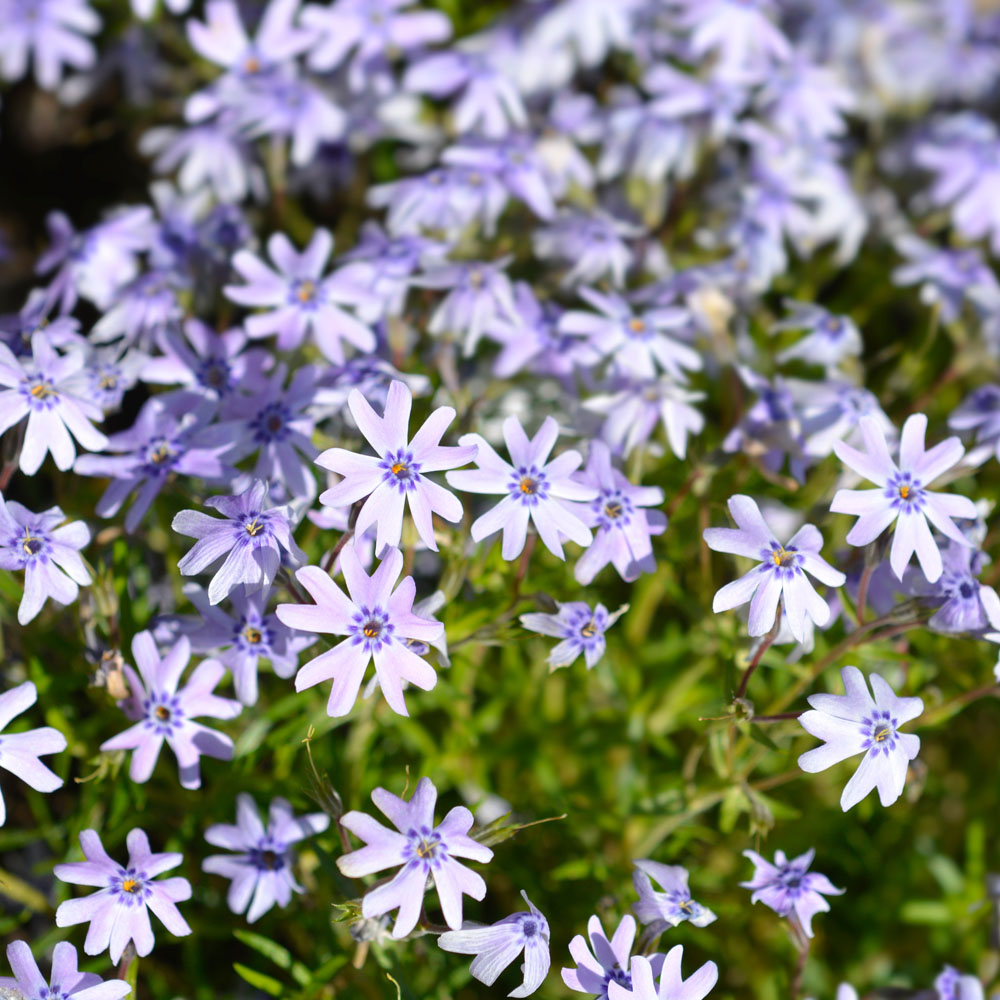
606, 961
781, 574
261, 868
496, 946
580, 627
902, 495
399, 474
377, 622
165, 712
672, 987
65, 981
855, 723
789, 888
424, 851
250, 535
534, 489
119, 911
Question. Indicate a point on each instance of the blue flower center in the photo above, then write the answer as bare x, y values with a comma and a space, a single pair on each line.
528, 485
879, 732
372, 628
400, 470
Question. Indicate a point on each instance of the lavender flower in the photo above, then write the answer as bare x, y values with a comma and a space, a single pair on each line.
119, 911
496, 946
261, 869
301, 299
42, 392
952, 985
19, 752
48, 555
424, 851
780, 576
624, 529
738, 32
377, 621
165, 712
593, 245
536, 490
52, 33
966, 605
66, 980
672, 987
609, 962
854, 723
581, 629
399, 474
250, 536
244, 638
789, 888
980, 412
903, 495
830, 338
673, 905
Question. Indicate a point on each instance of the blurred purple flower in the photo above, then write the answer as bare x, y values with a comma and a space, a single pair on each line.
829, 339
592, 244
52, 34
673, 905
261, 869
424, 851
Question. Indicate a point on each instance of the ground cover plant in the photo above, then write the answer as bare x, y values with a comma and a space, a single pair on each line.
498, 499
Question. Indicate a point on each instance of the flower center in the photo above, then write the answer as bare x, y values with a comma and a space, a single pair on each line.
306, 291
636, 325
42, 390
528, 485
904, 492
161, 454
252, 65
108, 382
130, 885
32, 546
883, 734
252, 635
782, 557
529, 928
372, 629
254, 527
476, 277
589, 630
162, 712
613, 509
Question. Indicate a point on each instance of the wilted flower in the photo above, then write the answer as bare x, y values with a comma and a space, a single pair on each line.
424, 851
854, 723
673, 905
261, 869
496, 946
119, 911
789, 888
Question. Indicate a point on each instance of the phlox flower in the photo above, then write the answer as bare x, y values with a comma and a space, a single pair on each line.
673, 905
606, 961
20, 752
856, 723
250, 535
580, 627
376, 620
399, 474
535, 489
64, 982
260, 870
789, 888
496, 946
624, 529
299, 297
902, 495
166, 712
980, 412
952, 985
42, 391
422, 849
738, 32
830, 338
119, 911
965, 604
49, 555
52, 34
672, 987
780, 574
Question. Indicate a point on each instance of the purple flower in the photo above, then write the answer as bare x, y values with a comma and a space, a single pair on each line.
244, 638
479, 295
789, 888
66, 980
609, 962
119, 911
593, 245
829, 339
853, 723
165, 712
377, 621
424, 851
591, 28
19, 752
672, 986
966, 605
536, 490
673, 905
399, 474
636, 342
980, 411
170, 435
903, 496
623, 528
780, 576
142, 309
581, 629
52, 33
496, 946
737, 32
48, 555
300, 299
250, 535
261, 869
43, 392
952, 985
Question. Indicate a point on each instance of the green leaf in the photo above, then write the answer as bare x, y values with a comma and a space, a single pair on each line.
268, 984
281, 956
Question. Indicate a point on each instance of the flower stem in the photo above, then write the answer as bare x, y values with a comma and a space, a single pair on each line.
866, 576
761, 650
